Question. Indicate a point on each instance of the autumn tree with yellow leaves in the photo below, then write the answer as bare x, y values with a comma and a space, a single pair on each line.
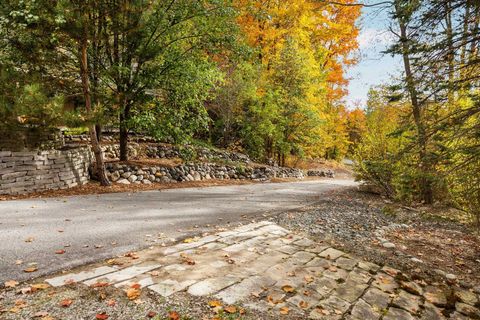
300, 50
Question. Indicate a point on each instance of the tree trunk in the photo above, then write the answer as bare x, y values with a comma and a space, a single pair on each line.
451, 54
99, 163
425, 180
123, 138
98, 132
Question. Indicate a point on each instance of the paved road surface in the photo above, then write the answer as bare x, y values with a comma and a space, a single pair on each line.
94, 227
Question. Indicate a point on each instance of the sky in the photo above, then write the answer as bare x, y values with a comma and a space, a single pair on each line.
374, 67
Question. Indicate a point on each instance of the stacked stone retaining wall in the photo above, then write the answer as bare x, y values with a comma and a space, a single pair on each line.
25, 172
128, 174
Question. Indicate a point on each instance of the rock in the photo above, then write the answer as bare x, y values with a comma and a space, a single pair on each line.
432, 313
440, 272
411, 287
451, 276
416, 260
363, 311
435, 296
407, 301
467, 310
466, 297
377, 298
126, 175
145, 181
132, 178
115, 176
397, 314
123, 181
197, 176
388, 245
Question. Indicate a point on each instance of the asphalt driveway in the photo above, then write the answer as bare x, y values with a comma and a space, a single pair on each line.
94, 227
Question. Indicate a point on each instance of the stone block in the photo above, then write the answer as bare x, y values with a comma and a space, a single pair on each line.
79, 277
123, 274
169, 287
13, 175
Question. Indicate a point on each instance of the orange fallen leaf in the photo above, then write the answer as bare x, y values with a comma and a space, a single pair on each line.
288, 289
31, 269
66, 303
61, 251
100, 284
101, 316
173, 315
230, 309
136, 286
284, 310
40, 286
214, 303
131, 255
303, 304
133, 293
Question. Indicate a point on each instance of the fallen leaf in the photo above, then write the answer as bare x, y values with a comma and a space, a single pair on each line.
284, 310
29, 239
133, 293
155, 273
303, 304
100, 284
40, 286
136, 286
187, 260
66, 303
18, 262
214, 303
230, 309
111, 303
101, 316
333, 269
173, 315
61, 251
131, 255
288, 289
31, 269
189, 240
41, 314
309, 278
323, 311
151, 314
11, 284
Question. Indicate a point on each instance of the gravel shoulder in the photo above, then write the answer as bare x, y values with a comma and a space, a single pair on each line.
427, 246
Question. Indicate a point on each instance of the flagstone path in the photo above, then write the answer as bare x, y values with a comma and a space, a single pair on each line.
264, 267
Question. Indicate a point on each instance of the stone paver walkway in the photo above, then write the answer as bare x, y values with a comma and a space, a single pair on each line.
265, 267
